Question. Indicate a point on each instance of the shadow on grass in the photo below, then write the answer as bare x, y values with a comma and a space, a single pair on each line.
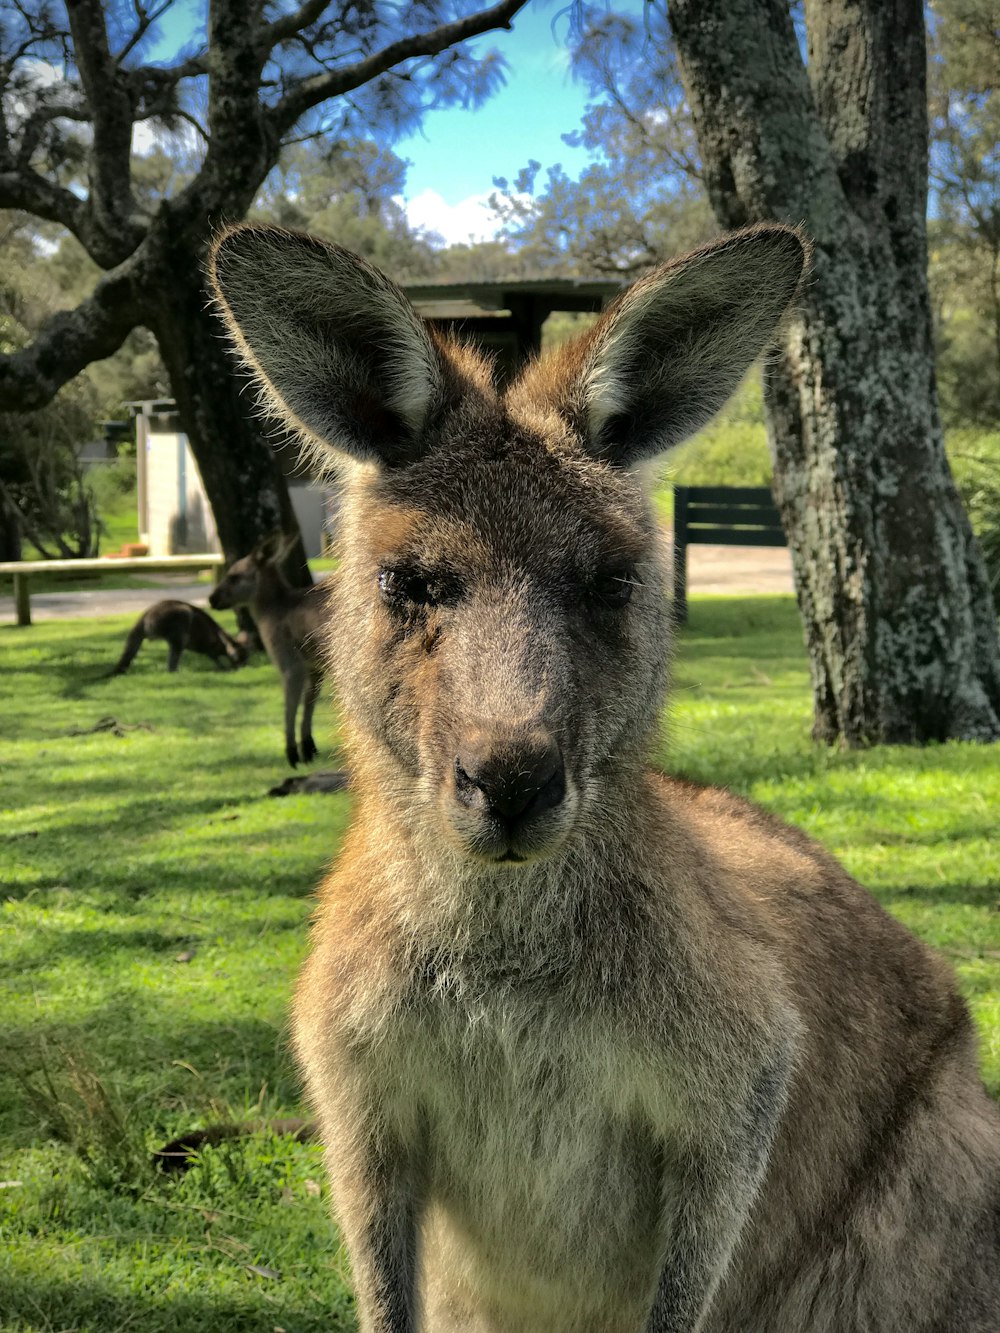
80, 1304
90, 944
163, 1066
121, 886
93, 944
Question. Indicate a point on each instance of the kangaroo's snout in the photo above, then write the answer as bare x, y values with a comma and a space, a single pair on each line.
508, 793
510, 779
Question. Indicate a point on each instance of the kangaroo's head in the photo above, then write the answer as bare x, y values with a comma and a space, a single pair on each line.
501, 617
240, 586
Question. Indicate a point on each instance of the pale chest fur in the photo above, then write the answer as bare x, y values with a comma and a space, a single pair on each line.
541, 1147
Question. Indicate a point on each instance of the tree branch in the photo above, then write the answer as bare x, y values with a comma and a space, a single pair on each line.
70, 341
111, 112
34, 127
287, 25
144, 21
29, 192
310, 92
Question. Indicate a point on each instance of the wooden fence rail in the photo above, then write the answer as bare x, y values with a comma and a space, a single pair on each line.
22, 570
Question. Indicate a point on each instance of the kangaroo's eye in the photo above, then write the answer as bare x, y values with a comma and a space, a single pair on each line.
404, 590
613, 587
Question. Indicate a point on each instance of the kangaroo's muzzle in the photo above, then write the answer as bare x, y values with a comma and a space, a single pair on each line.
508, 789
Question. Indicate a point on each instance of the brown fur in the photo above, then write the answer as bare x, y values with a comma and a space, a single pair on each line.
291, 622
182, 626
591, 1049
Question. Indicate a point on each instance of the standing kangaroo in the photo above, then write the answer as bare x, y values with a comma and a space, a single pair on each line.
182, 626
592, 1050
291, 622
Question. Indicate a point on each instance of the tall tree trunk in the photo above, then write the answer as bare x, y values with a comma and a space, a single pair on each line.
241, 475
10, 532
899, 622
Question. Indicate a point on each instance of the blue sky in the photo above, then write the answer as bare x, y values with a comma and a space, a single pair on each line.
458, 153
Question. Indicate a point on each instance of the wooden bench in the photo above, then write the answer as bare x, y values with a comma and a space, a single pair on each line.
720, 516
22, 570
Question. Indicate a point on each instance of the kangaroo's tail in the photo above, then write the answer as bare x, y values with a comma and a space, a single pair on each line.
133, 643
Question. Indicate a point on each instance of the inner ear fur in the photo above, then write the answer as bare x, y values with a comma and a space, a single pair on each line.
335, 348
671, 350
274, 547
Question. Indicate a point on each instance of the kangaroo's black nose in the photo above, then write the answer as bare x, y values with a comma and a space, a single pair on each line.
510, 778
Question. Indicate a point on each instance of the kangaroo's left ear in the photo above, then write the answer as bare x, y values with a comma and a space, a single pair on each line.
665, 357
335, 347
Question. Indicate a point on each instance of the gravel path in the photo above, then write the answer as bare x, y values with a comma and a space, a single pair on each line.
106, 601
719, 569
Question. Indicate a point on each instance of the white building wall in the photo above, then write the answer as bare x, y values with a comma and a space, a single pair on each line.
308, 501
178, 518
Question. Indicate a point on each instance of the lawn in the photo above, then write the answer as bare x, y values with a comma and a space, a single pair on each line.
154, 916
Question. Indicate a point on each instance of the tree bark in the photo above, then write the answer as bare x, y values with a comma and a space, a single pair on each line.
899, 621
10, 532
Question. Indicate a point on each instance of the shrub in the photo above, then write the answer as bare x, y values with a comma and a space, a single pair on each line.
975, 462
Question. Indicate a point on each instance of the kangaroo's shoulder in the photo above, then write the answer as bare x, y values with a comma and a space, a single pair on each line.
718, 815
767, 879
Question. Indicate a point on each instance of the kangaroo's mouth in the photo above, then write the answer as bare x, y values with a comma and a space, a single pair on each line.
495, 841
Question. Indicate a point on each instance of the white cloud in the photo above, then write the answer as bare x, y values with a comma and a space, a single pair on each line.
144, 137
183, 141
468, 220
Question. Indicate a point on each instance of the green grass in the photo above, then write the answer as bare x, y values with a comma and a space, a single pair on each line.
118, 508
123, 854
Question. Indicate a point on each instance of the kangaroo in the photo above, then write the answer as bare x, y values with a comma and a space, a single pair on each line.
183, 626
290, 621
592, 1050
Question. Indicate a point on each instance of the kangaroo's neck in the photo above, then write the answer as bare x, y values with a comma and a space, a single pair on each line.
275, 597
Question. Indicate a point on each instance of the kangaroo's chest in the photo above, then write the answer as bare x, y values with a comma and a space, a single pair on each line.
542, 1159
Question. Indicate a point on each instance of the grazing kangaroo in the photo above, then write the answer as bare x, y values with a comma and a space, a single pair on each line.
183, 626
592, 1050
291, 622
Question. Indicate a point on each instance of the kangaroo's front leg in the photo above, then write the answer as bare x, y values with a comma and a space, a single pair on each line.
710, 1186
376, 1195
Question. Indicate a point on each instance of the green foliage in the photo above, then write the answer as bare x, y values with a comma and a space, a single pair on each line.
640, 200
732, 450
965, 215
61, 275
54, 503
347, 191
155, 914
112, 487
41, 480
975, 461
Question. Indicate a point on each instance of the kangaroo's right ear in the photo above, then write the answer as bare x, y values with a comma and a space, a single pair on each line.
335, 346
269, 548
